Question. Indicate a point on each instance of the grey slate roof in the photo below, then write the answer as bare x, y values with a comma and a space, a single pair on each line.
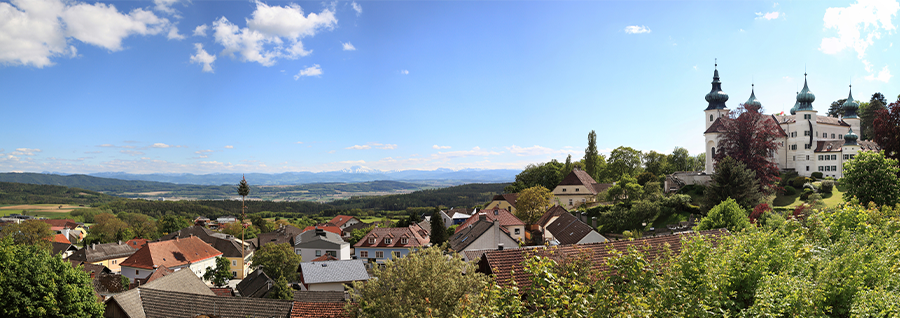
320, 296
283, 234
462, 239
165, 304
183, 281
567, 229
224, 243
257, 284
100, 252
328, 240
59, 248
333, 271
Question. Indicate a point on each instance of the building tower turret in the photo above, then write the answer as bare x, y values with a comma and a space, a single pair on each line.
715, 110
806, 123
850, 108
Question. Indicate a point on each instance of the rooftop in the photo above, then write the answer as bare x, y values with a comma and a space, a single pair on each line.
506, 218
333, 271
171, 253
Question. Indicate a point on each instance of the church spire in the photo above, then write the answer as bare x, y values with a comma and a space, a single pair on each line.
752, 102
805, 98
716, 96
850, 106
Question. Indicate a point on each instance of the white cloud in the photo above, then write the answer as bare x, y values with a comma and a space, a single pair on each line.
476, 151
173, 34
884, 75
768, 15
314, 70
24, 152
203, 153
404, 72
858, 25
348, 46
106, 146
200, 30
440, 147
203, 58
272, 33
537, 150
373, 145
166, 6
634, 29
160, 145
359, 147
132, 152
299, 142
229, 147
775, 4
33, 32
357, 8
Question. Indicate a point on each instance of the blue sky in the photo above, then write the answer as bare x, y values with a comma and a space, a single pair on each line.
244, 86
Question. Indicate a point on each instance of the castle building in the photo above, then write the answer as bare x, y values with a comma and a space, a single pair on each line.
808, 143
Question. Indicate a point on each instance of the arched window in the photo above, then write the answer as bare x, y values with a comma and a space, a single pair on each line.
710, 118
713, 151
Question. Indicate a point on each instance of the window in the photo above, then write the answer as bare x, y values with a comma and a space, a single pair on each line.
833, 168
397, 254
833, 157
795, 158
710, 118
114, 262
832, 136
846, 157
371, 240
233, 263
807, 168
821, 168
363, 254
576, 189
404, 240
820, 157
233, 274
517, 231
827, 168
807, 146
387, 240
379, 254
806, 132
807, 157
318, 253
564, 189
136, 272
570, 201
332, 253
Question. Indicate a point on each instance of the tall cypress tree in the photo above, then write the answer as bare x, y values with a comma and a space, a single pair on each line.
438, 232
592, 157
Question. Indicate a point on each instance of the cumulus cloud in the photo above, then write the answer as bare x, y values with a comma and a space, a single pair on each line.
273, 32
203, 58
373, 145
229, 147
440, 147
404, 72
634, 29
537, 150
174, 35
200, 30
299, 142
348, 46
203, 153
314, 70
160, 145
768, 15
884, 75
858, 26
24, 152
34, 32
357, 8
132, 152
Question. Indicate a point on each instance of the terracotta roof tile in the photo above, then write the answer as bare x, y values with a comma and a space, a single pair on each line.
506, 218
329, 228
171, 253
318, 310
59, 238
320, 296
223, 292
326, 257
415, 235
578, 177
341, 219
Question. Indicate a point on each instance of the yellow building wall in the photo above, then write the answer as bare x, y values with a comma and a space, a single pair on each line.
237, 263
113, 264
501, 204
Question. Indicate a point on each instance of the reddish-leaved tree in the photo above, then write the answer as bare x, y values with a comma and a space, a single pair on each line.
752, 138
887, 129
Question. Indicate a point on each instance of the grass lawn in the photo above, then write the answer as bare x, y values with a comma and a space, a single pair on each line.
672, 219
830, 199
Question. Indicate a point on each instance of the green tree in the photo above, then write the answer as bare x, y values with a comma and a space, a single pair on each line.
532, 203
358, 234
732, 180
141, 225
727, 214
593, 161
109, 228
624, 160
872, 177
171, 223
680, 160
37, 284
281, 290
836, 108
626, 190
657, 163
544, 174
699, 162
263, 225
31, 232
219, 275
867, 113
243, 191
424, 283
277, 260
438, 233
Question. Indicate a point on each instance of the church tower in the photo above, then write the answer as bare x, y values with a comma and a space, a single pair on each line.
850, 108
805, 144
715, 110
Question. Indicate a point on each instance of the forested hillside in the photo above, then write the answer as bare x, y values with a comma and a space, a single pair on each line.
21, 193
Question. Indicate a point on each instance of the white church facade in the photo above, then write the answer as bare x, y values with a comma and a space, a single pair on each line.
809, 143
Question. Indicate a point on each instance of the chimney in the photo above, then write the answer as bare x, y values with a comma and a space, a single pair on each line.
500, 246
584, 217
320, 232
120, 242
594, 222
482, 217
94, 246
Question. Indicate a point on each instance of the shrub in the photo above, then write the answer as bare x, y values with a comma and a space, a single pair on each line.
787, 177
806, 192
727, 214
827, 186
789, 190
798, 182
817, 175
758, 211
810, 186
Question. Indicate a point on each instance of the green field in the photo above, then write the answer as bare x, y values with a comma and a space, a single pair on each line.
832, 199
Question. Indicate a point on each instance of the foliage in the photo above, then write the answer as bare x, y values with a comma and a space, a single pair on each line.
235, 229
867, 113
827, 186
358, 234
752, 139
31, 232
645, 177
872, 177
799, 181
626, 190
657, 163
732, 180
108, 229
17, 188
219, 275
171, 223
544, 174
281, 290
887, 129
532, 203
87, 215
727, 214
836, 108
424, 283
261, 224
816, 175
141, 225
623, 161
594, 163
412, 217
438, 233
277, 260
758, 212
37, 284
789, 190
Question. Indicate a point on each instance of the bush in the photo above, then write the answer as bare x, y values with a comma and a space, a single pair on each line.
727, 214
817, 175
806, 192
798, 182
787, 177
827, 186
789, 190
810, 186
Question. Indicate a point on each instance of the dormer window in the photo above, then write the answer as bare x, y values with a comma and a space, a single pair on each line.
387, 240
371, 240
404, 240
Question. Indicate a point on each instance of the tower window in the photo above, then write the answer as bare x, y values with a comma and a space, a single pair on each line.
713, 151
710, 118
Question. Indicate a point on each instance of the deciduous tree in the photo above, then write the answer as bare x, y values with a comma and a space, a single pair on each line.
219, 275
657, 163
170, 223
109, 228
872, 177
141, 225
727, 214
887, 129
277, 260
532, 203
626, 190
31, 232
624, 160
543, 174
751, 138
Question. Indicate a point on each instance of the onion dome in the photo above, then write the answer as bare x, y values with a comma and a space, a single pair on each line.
805, 98
850, 106
796, 105
716, 96
850, 138
752, 102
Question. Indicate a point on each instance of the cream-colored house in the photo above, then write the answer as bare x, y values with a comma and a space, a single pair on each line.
110, 255
576, 189
504, 201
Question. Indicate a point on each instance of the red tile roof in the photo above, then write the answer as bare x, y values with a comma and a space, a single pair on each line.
508, 197
59, 238
578, 177
507, 264
553, 211
506, 218
136, 243
416, 236
326, 257
329, 228
318, 310
66, 223
222, 292
341, 219
171, 253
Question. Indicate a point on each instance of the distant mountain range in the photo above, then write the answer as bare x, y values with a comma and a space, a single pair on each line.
353, 174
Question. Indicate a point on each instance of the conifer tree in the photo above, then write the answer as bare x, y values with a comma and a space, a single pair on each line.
592, 157
438, 231
243, 191
732, 180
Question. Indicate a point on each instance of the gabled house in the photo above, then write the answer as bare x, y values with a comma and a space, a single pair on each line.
71, 230
331, 276
508, 222
381, 244
482, 235
110, 255
459, 215
190, 253
327, 227
283, 234
568, 229
230, 247
319, 242
129, 304
577, 189
345, 233
343, 221
504, 201
447, 220
64, 250
136, 243
257, 284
